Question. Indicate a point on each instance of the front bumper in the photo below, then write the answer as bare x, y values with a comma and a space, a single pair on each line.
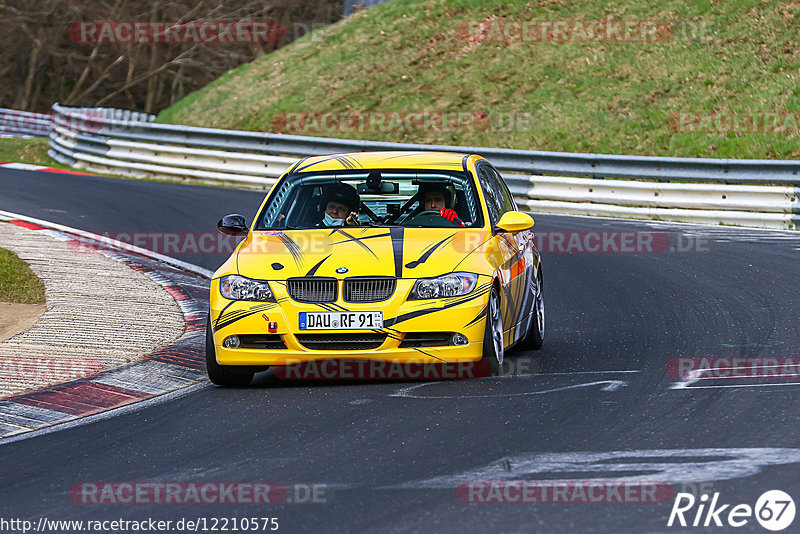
464, 315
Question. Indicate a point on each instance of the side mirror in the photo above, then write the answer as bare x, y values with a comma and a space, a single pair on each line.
233, 225
514, 221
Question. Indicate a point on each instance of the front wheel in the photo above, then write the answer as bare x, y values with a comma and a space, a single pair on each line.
493, 351
222, 375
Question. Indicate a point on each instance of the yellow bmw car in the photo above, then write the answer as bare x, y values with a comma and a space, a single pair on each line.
403, 258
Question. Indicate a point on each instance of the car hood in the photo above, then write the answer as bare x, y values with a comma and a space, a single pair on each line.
357, 251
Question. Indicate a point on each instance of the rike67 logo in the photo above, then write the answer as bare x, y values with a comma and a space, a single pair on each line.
774, 510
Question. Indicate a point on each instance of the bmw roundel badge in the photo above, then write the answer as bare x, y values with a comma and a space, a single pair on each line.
342, 270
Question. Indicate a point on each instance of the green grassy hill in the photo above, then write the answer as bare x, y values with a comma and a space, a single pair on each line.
694, 57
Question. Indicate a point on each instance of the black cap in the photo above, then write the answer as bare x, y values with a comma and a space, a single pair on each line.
342, 193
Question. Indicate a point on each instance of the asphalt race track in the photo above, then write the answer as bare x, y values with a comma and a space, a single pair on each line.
133, 207
597, 402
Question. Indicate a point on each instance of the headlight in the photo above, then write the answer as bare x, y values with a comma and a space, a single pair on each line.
235, 287
449, 285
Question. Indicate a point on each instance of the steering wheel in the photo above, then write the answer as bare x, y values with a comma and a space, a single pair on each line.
428, 212
425, 217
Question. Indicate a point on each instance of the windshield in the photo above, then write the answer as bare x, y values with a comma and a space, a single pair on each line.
380, 198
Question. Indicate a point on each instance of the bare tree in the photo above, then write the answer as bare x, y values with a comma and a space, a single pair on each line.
43, 62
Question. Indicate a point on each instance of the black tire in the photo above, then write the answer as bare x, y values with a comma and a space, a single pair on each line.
222, 375
491, 343
534, 338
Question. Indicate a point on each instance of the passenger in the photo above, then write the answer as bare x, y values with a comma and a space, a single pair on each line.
340, 203
439, 198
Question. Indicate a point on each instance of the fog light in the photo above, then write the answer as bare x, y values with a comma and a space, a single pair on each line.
458, 339
231, 342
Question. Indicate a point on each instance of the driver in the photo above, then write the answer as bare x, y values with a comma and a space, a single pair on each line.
341, 204
439, 198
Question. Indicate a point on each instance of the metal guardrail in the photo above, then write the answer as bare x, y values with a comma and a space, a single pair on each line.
738, 171
109, 140
762, 193
24, 123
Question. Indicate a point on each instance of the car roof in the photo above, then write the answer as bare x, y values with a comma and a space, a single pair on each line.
385, 160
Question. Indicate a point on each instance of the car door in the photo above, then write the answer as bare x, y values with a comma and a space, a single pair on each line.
528, 267
512, 267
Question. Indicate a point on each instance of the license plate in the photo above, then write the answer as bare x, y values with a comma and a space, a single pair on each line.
341, 320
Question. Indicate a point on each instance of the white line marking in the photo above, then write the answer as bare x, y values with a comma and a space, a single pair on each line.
114, 412
609, 385
113, 243
668, 465
586, 373
731, 231
721, 386
24, 166
614, 385
692, 377
695, 376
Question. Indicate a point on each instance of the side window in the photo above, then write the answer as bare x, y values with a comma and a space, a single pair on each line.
494, 198
508, 200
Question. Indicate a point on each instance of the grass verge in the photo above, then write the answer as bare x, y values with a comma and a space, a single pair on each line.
32, 150
18, 283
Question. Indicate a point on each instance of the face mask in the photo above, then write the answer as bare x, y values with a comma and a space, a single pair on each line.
330, 221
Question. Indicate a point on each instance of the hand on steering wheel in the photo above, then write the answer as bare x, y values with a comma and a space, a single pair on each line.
451, 216
437, 213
